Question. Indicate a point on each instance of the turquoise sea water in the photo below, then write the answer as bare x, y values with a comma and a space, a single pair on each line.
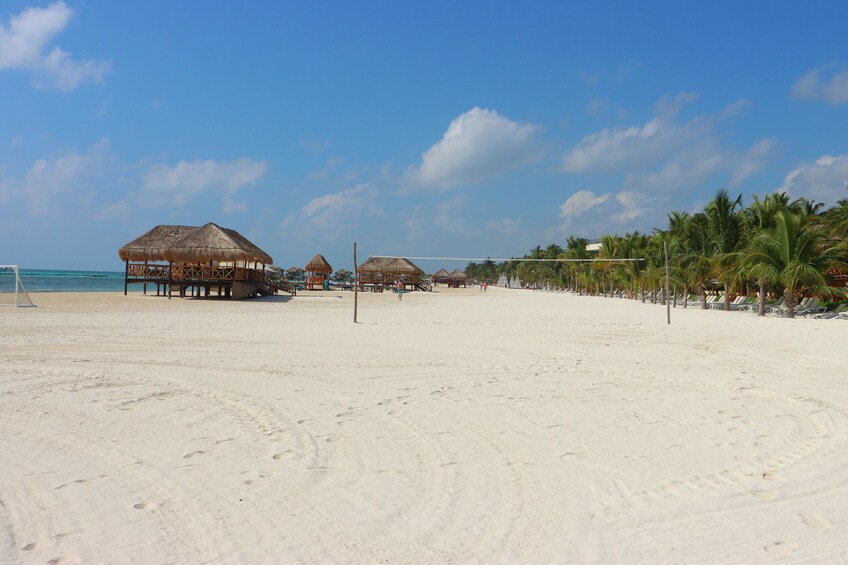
43, 280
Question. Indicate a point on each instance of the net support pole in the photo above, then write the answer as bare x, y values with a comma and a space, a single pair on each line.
17, 285
355, 284
667, 277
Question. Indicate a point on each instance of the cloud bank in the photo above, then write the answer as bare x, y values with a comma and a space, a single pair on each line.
179, 184
50, 185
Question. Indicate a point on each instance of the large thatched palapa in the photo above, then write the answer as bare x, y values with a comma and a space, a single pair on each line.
154, 245
387, 271
198, 258
216, 244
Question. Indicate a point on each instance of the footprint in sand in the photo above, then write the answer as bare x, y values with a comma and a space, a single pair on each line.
140, 505
192, 454
814, 521
288, 454
332, 438
779, 548
29, 547
772, 476
76, 482
766, 495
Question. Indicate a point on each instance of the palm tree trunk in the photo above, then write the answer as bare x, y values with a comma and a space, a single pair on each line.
761, 311
704, 298
685, 297
726, 298
642, 292
790, 304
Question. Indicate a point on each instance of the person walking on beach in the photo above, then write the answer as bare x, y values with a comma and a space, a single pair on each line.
400, 290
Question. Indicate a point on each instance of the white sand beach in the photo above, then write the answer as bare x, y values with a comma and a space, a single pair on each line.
456, 426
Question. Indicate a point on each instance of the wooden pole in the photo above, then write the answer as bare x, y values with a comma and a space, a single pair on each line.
126, 275
667, 276
170, 277
355, 284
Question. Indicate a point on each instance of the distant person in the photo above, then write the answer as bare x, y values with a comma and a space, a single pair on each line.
485, 287
400, 291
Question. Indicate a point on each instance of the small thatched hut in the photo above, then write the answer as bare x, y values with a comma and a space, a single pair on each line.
318, 273
343, 275
440, 276
200, 258
457, 278
387, 271
295, 274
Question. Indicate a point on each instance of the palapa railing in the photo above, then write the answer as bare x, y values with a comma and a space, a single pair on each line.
204, 274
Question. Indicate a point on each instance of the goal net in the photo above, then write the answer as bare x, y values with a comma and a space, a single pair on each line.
12, 289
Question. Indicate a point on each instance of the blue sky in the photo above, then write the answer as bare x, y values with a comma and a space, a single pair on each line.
460, 129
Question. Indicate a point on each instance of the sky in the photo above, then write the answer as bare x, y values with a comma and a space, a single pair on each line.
460, 129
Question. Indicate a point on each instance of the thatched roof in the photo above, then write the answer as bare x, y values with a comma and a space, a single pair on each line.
343, 272
390, 265
318, 265
294, 269
154, 245
441, 273
188, 244
457, 274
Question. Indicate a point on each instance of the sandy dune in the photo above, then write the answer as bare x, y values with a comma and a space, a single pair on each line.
508, 426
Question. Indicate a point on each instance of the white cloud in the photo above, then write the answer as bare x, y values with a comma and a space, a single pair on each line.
813, 85
507, 226
330, 211
635, 146
665, 155
580, 202
593, 214
336, 201
478, 145
824, 181
24, 42
177, 185
635, 204
50, 182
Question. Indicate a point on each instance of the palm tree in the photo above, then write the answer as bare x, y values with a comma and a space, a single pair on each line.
795, 257
698, 260
759, 216
725, 228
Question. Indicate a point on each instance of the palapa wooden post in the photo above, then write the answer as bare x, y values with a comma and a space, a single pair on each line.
126, 274
170, 277
355, 284
667, 303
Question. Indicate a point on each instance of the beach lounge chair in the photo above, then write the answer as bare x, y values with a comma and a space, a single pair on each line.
832, 314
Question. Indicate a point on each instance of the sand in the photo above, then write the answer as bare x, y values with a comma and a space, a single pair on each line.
457, 426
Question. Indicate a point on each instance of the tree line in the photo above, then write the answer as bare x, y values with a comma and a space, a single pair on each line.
789, 248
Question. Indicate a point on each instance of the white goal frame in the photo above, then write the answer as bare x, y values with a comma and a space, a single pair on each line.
19, 287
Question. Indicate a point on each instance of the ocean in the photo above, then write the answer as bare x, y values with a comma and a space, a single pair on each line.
45, 280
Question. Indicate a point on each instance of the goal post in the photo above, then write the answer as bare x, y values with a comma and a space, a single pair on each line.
12, 289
